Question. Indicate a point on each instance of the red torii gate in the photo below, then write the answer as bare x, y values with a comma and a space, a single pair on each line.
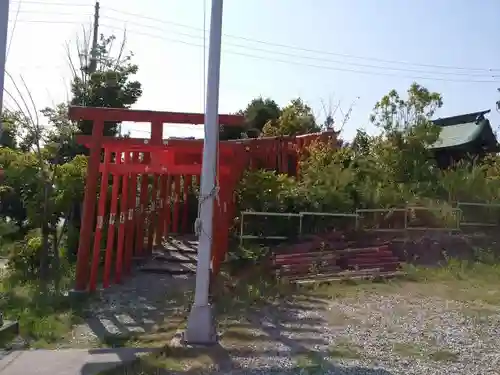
132, 163
151, 178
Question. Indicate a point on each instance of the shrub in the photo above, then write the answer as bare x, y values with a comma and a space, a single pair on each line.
24, 256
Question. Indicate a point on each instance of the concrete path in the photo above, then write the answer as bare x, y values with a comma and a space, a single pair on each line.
65, 362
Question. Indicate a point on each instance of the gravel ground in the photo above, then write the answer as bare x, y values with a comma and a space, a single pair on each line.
133, 307
366, 333
372, 334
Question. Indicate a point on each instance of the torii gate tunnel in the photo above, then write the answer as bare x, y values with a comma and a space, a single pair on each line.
138, 189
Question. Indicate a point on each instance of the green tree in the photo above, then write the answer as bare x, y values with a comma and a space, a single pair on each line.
295, 119
407, 127
259, 111
40, 184
392, 112
110, 86
9, 131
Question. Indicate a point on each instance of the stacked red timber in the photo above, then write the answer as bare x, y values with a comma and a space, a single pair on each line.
334, 256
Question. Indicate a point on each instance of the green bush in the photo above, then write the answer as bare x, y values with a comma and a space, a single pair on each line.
24, 256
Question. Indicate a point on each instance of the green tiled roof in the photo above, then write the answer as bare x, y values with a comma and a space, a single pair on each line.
460, 130
456, 135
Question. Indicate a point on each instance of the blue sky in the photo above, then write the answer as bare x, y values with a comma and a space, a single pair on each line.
365, 48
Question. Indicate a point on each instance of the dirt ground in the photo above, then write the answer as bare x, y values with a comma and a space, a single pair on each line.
444, 322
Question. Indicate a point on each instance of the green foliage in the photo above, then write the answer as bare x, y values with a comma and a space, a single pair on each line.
24, 256
392, 113
260, 111
9, 129
257, 113
24, 180
44, 318
392, 169
268, 192
110, 85
296, 118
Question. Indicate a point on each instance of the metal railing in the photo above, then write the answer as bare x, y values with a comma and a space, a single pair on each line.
463, 208
257, 213
450, 219
299, 215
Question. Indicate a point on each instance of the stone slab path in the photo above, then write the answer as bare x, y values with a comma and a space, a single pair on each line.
66, 361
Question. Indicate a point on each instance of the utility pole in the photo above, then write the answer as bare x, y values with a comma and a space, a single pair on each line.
95, 36
201, 323
4, 26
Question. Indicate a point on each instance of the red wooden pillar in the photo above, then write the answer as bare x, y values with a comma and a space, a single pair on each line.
162, 210
141, 213
119, 265
275, 154
175, 215
156, 139
152, 214
89, 200
284, 156
168, 206
269, 155
112, 225
101, 212
300, 147
185, 205
130, 220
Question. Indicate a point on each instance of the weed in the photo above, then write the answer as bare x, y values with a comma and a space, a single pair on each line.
443, 355
344, 349
408, 349
44, 318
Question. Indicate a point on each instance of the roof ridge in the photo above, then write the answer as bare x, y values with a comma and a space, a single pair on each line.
460, 119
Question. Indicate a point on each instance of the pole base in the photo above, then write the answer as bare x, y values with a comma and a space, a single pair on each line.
201, 326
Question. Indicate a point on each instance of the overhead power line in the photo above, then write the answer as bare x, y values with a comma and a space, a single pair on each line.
345, 66
67, 22
53, 13
485, 71
314, 58
13, 31
268, 43
298, 63
140, 16
47, 3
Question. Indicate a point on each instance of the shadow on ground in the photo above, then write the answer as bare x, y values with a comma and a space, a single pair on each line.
263, 328
143, 305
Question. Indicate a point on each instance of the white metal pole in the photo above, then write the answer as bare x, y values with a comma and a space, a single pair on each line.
201, 324
4, 25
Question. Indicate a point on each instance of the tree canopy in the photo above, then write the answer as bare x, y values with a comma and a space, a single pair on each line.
296, 118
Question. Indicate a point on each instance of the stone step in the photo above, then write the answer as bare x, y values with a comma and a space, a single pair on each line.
172, 268
175, 256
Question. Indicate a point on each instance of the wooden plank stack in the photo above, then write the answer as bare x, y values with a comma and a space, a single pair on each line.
334, 257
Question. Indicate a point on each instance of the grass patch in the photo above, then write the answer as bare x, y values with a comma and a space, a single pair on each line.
44, 319
178, 358
407, 349
462, 281
171, 358
443, 355
236, 334
419, 350
344, 349
311, 364
306, 361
